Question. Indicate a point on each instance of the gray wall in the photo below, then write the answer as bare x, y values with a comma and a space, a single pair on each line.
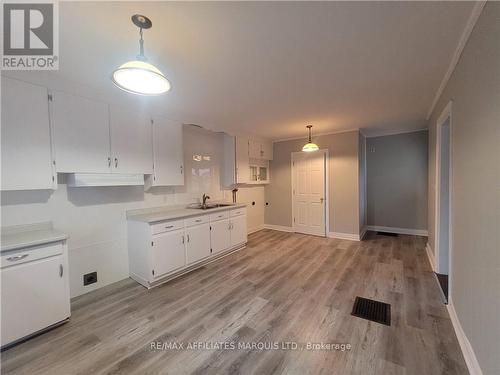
343, 194
474, 88
397, 180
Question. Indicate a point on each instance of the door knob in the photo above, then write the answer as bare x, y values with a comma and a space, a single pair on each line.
321, 199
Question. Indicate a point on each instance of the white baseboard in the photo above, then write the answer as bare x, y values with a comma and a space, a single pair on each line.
467, 351
415, 232
281, 228
430, 256
344, 236
256, 229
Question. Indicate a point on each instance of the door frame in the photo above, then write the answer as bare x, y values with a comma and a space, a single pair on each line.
445, 115
326, 157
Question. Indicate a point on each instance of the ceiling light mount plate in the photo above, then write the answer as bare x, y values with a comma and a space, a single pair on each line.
141, 21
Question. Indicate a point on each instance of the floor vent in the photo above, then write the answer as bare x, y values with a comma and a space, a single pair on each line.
375, 311
387, 234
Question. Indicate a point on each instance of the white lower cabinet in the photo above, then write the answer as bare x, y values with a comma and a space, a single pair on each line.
162, 250
168, 252
35, 290
238, 229
220, 236
197, 242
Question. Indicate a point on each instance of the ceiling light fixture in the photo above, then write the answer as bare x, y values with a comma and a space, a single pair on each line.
309, 146
139, 76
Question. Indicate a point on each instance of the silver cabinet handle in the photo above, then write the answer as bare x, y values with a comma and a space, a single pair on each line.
169, 226
182, 169
116, 162
15, 258
182, 239
61, 270
188, 237
109, 162
198, 221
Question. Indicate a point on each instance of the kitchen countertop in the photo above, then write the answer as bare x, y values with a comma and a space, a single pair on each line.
154, 214
20, 236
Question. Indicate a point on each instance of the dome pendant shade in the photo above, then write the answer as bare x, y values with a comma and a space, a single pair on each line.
310, 146
139, 76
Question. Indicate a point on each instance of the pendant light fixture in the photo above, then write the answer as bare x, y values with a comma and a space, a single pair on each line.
139, 76
309, 146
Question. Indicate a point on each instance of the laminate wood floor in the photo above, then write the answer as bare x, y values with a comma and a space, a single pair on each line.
283, 288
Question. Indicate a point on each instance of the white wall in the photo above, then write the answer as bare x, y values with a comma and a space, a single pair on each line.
94, 217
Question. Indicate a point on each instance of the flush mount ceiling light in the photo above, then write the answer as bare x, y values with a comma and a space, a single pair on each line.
309, 146
139, 76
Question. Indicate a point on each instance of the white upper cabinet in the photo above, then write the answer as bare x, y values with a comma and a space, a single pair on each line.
131, 149
267, 150
260, 150
242, 162
80, 129
168, 153
254, 149
26, 147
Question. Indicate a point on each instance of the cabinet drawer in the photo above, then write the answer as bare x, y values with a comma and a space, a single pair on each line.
15, 257
219, 216
196, 220
167, 226
238, 212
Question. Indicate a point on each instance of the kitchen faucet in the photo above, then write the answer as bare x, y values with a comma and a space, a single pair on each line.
204, 201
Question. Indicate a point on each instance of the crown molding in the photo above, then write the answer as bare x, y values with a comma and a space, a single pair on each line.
469, 26
383, 133
316, 135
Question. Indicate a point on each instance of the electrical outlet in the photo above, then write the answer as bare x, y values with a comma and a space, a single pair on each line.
89, 278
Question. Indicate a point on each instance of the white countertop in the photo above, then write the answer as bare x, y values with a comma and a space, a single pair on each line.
21, 236
154, 214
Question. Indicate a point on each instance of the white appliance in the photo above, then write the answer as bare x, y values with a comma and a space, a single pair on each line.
35, 289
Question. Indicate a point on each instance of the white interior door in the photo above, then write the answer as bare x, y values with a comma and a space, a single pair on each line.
309, 193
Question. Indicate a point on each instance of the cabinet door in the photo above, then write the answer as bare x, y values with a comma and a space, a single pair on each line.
197, 243
220, 237
26, 150
168, 153
33, 297
131, 144
254, 150
242, 167
238, 230
169, 252
81, 134
267, 150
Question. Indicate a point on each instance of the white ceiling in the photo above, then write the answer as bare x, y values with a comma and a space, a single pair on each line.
269, 68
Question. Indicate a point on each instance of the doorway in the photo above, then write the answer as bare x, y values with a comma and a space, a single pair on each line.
443, 200
309, 198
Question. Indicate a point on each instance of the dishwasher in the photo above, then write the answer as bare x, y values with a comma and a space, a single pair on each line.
35, 291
